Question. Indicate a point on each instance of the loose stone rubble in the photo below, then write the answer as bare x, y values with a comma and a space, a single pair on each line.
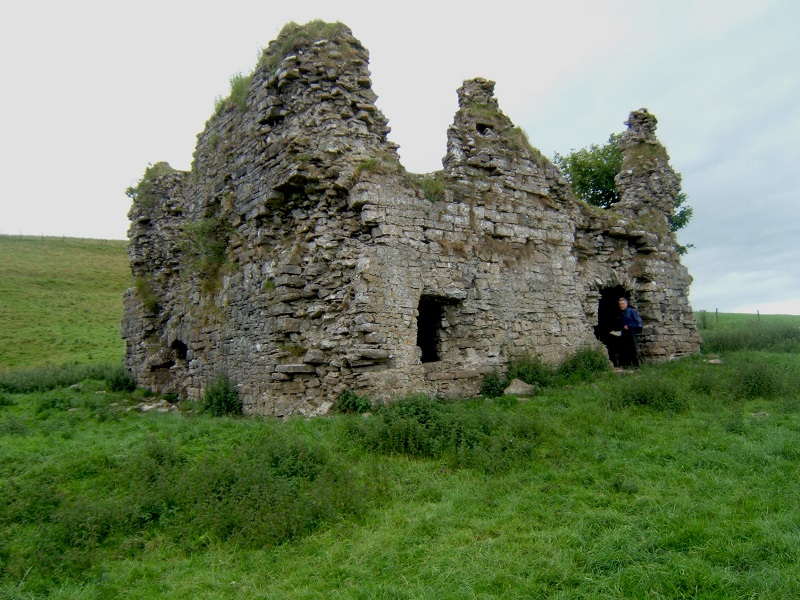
301, 259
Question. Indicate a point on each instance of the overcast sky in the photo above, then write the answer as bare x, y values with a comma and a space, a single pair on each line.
94, 91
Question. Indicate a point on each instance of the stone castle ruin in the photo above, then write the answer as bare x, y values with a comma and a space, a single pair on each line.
301, 259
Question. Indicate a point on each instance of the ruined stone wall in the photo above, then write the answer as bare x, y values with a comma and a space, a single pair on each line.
301, 259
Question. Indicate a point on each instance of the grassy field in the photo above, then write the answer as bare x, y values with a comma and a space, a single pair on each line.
60, 300
679, 480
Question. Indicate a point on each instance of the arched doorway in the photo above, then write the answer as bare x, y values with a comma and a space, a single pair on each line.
607, 313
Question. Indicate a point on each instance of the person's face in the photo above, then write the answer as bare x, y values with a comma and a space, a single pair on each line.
623, 304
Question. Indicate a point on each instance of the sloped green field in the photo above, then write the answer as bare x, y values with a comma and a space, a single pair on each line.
60, 301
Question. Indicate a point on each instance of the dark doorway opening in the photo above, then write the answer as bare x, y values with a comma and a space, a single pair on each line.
429, 323
608, 309
608, 318
433, 317
181, 351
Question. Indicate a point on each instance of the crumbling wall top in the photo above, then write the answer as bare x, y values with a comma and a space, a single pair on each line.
646, 181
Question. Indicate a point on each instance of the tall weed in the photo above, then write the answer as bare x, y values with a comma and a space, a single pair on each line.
350, 403
43, 379
758, 377
263, 491
776, 337
468, 435
650, 389
585, 365
221, 398
531, 370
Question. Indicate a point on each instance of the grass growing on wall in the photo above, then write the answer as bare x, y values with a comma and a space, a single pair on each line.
60, 300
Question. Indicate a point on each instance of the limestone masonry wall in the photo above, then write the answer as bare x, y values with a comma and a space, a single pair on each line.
300, 258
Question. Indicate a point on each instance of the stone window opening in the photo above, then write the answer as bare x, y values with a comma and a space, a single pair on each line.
430, 321
484, 129
180, 349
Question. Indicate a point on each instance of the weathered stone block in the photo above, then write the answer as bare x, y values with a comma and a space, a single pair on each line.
297, 368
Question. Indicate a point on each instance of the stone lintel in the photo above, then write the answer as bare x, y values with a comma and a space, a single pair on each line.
296, 368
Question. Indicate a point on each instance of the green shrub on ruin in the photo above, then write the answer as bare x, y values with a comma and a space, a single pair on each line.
433, 185
143, 287
142, 193
240, 86
293, 37
221, 398
382, 163
349, 402
584, 365
205, 242
493, 385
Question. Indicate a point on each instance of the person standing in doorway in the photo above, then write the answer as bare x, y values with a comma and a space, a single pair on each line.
629, 327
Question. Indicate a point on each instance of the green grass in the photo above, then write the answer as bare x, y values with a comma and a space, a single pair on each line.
607, 499
677, 480
731, 332
60, 300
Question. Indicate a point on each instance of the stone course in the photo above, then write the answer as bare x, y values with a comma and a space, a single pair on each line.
299, 257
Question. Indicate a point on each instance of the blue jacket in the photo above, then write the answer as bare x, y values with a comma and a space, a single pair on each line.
632, 319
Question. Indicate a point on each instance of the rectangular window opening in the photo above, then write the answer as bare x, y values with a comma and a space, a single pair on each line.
429, 326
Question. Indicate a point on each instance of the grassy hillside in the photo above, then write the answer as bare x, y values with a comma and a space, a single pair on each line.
60, 300
674, 481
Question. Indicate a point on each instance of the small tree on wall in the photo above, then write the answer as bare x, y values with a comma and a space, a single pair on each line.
591, 172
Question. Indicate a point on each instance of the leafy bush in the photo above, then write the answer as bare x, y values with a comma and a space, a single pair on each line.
531, 370
759, 379
493, 385
142, 192
5, 400
584, 365
591, 171
651, 389
222, 398
350, 403
119, 379
432, 185
467, 435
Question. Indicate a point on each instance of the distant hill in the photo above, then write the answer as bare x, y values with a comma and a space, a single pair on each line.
60, 300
